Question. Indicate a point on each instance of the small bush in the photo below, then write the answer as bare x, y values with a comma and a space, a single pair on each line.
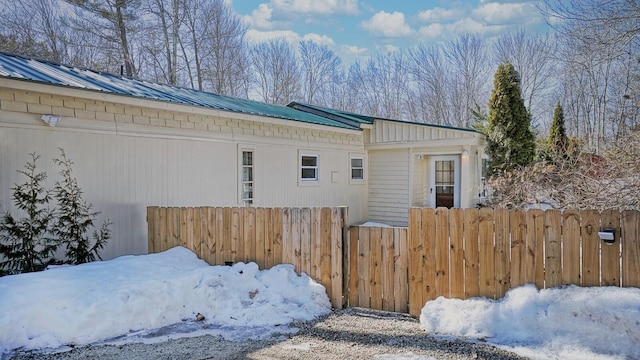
575, 180
74, 218
26, 244
29, 243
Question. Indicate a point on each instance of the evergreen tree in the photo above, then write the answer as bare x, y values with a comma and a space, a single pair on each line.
25, 244
75, 218
557, 134
510, 140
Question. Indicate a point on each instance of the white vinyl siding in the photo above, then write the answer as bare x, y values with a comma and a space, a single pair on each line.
389, 186
123, 168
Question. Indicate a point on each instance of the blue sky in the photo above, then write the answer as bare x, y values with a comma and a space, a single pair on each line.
361, 28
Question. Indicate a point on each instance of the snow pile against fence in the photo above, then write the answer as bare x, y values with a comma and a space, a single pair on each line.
75, 305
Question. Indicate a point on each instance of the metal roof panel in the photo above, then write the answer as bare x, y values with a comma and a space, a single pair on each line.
42, 71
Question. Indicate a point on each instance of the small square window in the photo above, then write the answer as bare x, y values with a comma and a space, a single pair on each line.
357, 168
309, 168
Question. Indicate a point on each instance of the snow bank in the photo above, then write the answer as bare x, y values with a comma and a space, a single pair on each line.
565, 323
91, 302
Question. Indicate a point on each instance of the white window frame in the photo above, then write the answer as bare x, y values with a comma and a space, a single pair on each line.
244, 201
308, 181
353, 180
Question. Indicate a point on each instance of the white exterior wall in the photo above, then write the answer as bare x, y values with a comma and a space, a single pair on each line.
389, 186
400, 173
128, 157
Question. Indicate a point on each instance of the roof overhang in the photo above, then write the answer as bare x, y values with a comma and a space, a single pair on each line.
29, 85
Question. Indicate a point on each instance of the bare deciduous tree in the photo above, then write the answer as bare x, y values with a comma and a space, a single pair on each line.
33, 27
381, 85
319, 65
112, 21
468, 58
431, 92
277, 71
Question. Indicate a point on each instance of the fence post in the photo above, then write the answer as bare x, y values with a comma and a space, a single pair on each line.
346, 249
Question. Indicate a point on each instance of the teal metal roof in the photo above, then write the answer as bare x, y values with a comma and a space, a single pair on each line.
353, 119
41, 71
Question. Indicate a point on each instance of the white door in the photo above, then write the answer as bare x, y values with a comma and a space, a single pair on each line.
444, 188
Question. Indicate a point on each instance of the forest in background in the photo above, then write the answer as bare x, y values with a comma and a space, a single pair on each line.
589, 62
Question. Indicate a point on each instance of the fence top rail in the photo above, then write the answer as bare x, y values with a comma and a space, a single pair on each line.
599, 211
381, 226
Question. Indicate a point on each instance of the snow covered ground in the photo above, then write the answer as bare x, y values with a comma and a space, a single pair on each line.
151, 298
560, 323
135, 298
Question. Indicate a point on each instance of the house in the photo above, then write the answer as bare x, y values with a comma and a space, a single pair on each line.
415, 165
136, 144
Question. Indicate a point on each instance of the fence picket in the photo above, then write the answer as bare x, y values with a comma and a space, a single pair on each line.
375, 251
456, 253
259, 246
296, 245
534, 261
486, 254
610, 267
442, 253
590, 248
277, 216
631, 248
416, 261
471, 254
364, 266
316, 245
248, 234
502, 247
400, 273
429, 256
553, 244
518, 229
208, 236
388, 252
337, 277
354, 239
305, 240
325, 257
571, 247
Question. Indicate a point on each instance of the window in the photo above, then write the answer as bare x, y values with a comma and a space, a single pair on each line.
357, 168
483, 178
309, 167
246, 183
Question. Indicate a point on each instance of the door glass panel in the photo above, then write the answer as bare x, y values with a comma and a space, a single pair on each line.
445, 183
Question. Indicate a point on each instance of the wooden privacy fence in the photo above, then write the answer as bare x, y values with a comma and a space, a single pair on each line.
308, 238
463, 253
456, 253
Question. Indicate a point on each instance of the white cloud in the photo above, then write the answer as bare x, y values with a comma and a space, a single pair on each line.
503, 14
320, 7
353, 50
387, 25
431, 31
439, 31
390, 48
439, 14
320, 39
254, 36
260, 18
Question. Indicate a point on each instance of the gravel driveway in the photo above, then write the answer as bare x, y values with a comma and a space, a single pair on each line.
352, 333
